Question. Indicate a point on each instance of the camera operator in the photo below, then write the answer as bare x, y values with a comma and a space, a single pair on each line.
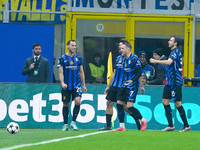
37, 67
194, 80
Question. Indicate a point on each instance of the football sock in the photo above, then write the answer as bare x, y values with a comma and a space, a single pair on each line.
65, 113
142, 119
135, 112
122, 125
75, 112
168, 114
181, 111
120, 113
108, 120
136, 115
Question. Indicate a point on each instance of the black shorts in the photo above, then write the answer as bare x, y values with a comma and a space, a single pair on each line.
66, 94
115, 93
131, 94
172, 92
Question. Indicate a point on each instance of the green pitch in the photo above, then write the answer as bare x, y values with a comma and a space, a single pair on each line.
114, 140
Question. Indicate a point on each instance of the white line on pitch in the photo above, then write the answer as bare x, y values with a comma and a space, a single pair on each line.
51, 141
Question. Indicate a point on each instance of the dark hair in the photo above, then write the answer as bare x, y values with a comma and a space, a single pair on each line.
125, 42
158, 51
68, 43
122, 40
36, 44
97, 55
177, 40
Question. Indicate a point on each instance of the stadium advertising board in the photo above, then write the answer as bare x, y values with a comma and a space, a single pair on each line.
109, 6
130, 6
40, 106
35, 6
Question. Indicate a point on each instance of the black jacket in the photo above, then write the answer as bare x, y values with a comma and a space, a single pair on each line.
159, 75
44, 73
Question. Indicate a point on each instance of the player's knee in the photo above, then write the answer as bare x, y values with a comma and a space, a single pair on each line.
77, 101
165, 102
178, 104
110, 104
65, 104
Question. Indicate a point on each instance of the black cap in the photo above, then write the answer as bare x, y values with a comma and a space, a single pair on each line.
142, 53
158, 51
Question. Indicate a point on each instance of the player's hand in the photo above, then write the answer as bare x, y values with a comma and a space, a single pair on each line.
64, 86
128, 82
151, 60
106, 90
32, 66
84, 89
142, 90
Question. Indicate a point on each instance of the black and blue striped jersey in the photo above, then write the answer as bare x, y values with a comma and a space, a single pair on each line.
118, 77
130, 66
71, 66
174, 75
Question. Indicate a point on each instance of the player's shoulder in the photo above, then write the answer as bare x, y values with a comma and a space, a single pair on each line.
64, 55
78, 57
134, 57
61, 57
175, 53
120, 57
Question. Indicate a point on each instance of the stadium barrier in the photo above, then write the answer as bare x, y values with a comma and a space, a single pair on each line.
40, 106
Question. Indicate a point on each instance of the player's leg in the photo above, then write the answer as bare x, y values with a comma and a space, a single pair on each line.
134, 112
65, 110
76, 95
121, 115
109, 113
121, 102
168, 111
111, 97
177, 100
76, 110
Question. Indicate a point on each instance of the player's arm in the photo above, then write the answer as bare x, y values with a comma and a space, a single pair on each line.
82, 77
163, 62
111, 79
137, 76
61, 77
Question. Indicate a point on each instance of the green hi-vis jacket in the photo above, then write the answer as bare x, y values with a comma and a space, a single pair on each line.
96, 71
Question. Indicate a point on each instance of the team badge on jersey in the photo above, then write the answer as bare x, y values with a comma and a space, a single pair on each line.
174, 55
125, 65
71, 63
129, 62
120, 61
76, 59
138, 63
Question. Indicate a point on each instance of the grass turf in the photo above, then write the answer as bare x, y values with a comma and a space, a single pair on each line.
131, 139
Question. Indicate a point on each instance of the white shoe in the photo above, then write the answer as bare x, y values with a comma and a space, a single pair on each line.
168, 128
185, 129
73, 125
65, 127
